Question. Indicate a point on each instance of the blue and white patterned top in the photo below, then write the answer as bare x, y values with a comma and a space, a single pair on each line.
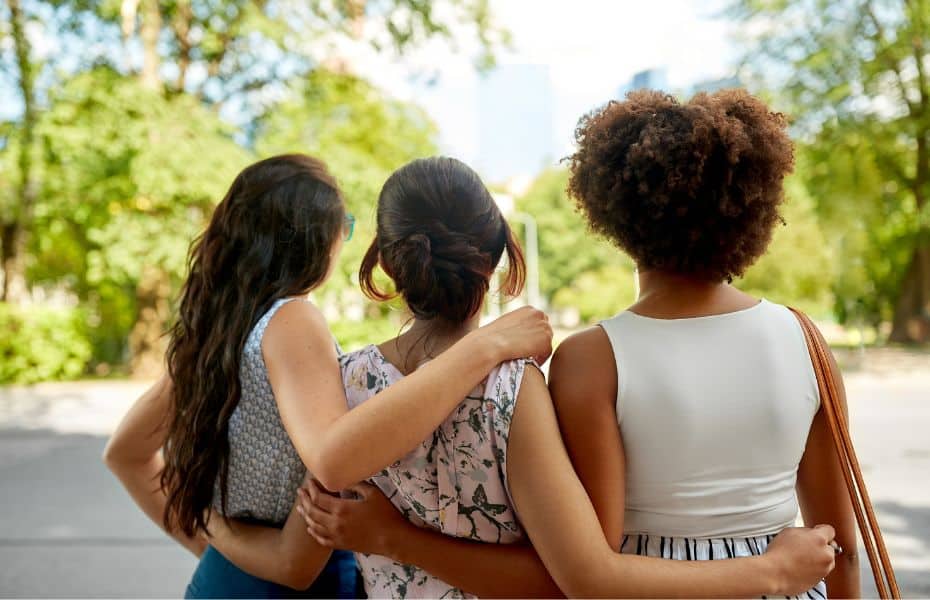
264, 467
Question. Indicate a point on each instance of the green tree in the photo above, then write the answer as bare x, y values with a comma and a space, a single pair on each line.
131, 157
19, 202
234, 50
130, 178
799, 264
578, 271
853, 72
363, 136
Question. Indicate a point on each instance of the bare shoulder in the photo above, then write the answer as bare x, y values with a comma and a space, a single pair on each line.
296, 325
534, 382
583, 368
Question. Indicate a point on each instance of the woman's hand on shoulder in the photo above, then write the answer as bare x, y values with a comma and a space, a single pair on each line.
521, 333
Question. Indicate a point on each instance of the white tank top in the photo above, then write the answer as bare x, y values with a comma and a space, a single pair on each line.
714, 413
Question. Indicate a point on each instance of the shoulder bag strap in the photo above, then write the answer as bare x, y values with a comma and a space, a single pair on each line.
885, 582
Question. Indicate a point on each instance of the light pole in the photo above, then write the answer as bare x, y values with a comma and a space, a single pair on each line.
532, 257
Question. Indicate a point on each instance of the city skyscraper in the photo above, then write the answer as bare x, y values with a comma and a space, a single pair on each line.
713, 85
515, 122
652, 79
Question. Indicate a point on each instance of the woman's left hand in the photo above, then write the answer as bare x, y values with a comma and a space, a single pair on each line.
369, 524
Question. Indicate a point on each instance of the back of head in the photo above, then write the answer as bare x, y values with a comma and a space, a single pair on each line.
270, 238
690, 188
440, 236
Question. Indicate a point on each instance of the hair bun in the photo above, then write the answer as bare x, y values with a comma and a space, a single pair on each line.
440, 235
419, 244
415, 274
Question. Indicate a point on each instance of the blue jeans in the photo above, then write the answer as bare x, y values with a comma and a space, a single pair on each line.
216, 577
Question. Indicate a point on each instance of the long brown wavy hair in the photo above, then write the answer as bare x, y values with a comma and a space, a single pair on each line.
270, 238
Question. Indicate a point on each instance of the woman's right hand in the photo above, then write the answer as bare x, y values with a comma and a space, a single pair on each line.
802, 557
521, 333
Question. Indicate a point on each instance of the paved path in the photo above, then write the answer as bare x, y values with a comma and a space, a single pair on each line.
68, 530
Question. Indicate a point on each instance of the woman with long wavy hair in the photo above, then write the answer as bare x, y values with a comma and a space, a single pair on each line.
454, 517
253, 395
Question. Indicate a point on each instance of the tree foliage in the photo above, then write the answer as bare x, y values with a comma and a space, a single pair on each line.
130, 177
580, 272
854, 75
142, 112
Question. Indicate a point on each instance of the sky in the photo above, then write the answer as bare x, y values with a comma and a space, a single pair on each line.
591, 48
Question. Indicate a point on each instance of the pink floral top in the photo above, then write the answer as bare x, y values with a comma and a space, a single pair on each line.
454, 482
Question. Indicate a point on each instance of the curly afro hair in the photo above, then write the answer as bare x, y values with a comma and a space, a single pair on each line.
691, 188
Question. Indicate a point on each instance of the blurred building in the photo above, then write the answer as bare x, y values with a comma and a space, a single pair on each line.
652, 79
713, 85
516, 136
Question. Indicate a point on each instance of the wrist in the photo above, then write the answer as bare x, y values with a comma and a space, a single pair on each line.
487, 347
772, 574
396, 543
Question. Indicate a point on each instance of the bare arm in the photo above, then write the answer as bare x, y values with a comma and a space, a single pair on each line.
341, 448
583, 384
566, 533
133, 454
373, 526
823, 497
287, 556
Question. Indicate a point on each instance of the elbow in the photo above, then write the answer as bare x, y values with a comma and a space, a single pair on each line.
326, 468
118, 460
332, 481
585, 578
578, 583
296, 576
573, 589
111, 456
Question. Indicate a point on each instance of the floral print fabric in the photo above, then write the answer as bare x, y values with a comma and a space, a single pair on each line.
454, 482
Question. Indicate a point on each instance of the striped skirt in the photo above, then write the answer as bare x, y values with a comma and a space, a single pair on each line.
678, 548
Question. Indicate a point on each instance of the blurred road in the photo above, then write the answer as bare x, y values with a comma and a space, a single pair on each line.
68, 530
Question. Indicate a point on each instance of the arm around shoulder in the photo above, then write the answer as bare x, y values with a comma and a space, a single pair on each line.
340, 447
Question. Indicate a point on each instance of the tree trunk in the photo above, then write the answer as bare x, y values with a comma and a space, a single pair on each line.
13, 288
182, 29
16, 227
149, 31
911, 322
147, 342
356, 10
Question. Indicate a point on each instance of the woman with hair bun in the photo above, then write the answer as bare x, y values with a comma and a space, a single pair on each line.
495, 471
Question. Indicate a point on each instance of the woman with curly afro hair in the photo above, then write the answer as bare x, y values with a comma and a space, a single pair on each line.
696, 408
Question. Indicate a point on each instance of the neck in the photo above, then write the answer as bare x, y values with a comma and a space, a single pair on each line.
658, 283
439, 334
426, 339
667, 295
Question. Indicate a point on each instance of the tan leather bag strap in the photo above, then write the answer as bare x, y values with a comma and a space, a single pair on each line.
885, 581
